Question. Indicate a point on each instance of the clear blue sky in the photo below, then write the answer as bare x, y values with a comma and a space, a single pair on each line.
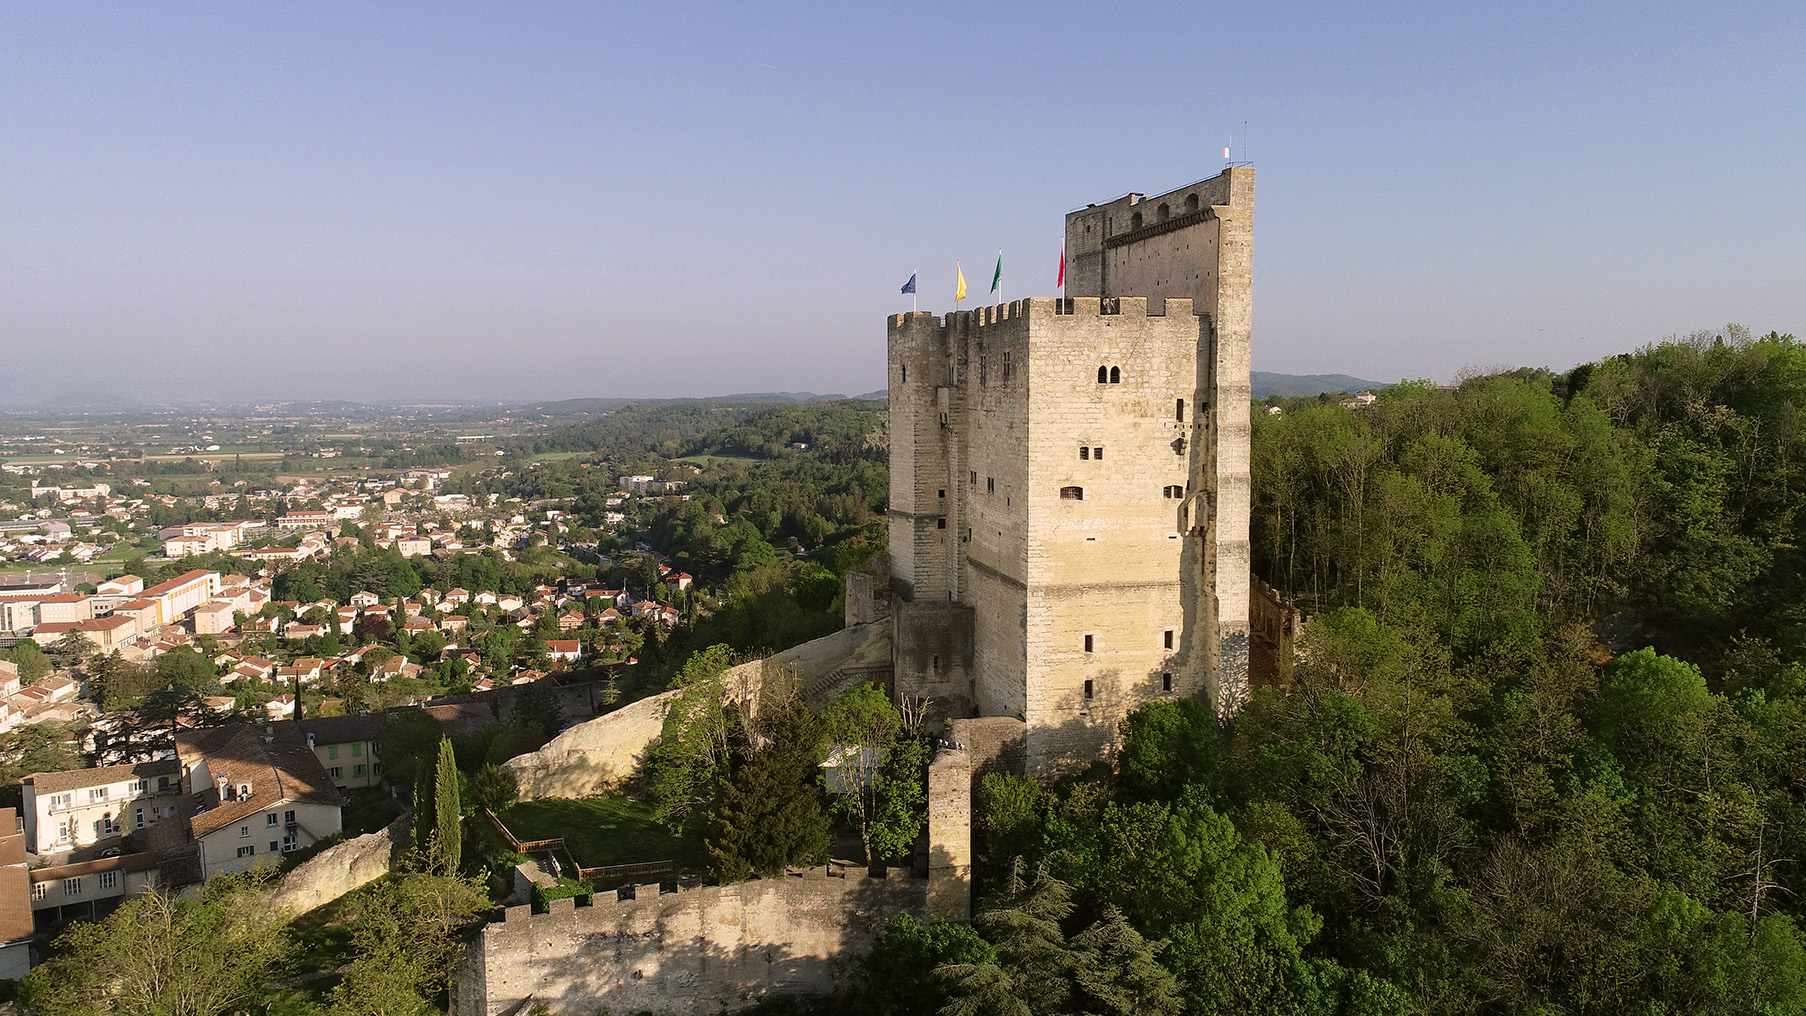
540, 200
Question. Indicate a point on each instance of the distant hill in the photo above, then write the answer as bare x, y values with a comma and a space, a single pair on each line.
1298, 386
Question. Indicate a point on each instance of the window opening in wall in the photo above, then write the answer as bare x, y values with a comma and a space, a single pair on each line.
1116, 375
1166, 682
975, 478
1103, 375
990, 484
1179, 414
1135, 221
1169, 638
1088, 689
905, 373
1084, 452
1163, 212
1072, 493
940, 523
1097, 453
942, 493
1088, 643
1191, 202
936, 664
1006, 368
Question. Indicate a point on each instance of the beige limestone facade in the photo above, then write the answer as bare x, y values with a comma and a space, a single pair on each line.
1069, 480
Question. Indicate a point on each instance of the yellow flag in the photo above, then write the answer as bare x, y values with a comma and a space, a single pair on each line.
960, 292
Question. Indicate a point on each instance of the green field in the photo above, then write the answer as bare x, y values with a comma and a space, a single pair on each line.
708, 460
600, 830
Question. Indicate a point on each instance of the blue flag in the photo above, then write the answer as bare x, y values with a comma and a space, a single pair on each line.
910, 286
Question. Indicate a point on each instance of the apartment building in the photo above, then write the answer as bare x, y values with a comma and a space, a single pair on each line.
255, 792
84, 807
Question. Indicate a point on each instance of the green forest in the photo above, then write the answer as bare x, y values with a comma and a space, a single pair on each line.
1542, 750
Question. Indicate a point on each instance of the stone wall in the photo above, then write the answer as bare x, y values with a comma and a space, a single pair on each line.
694, 951
339, 869
596, 757
950, 836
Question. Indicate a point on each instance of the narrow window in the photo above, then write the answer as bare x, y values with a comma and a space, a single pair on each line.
990, 484
1103, 375
936, 664
1169, 638
1179, 414
906, 373
1088, 688
1166, 682
244, 831
1088, 643
1134, 223
1084, 452
974, 478
940, 523
1116, 375
1191, 203
1072, 493
942, 493
1097, 453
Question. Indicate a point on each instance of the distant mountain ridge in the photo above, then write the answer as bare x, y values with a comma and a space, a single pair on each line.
1299, 386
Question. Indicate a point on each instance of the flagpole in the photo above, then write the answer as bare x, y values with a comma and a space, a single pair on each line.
912, 290
1000, 275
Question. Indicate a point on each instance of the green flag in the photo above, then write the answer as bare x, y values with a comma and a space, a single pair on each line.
997, 279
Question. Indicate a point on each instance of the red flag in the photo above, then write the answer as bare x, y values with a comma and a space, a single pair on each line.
1062, 283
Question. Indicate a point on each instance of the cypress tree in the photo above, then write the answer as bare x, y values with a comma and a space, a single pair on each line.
447, 808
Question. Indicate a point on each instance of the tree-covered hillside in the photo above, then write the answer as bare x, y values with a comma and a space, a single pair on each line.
1540, 752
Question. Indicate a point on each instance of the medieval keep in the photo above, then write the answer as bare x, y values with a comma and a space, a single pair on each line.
1069, 487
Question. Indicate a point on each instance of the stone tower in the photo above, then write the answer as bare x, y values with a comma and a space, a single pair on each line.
1069, 480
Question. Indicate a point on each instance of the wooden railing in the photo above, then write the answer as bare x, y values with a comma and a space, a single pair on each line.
616, 871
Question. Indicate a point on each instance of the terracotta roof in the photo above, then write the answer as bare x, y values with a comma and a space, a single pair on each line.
176, 583
76, 779
344, 729
272, 757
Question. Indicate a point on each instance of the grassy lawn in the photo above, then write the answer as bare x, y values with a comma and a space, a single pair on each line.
600, 830
557, 456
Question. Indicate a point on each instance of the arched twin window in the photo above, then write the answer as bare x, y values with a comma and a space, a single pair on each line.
1109, 375
1174, 491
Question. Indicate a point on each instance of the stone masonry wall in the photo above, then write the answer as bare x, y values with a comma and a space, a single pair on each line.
694, 951
596, 757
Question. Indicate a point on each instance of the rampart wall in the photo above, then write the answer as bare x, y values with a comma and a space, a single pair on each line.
702, 950
597, 756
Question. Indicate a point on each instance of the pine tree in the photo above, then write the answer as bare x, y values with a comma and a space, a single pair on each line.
447, 808
1115, 971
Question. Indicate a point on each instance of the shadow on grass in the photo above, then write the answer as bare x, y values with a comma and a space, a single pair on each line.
601, 831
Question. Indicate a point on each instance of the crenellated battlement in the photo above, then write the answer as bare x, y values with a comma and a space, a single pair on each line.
1034, 307
693, 950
